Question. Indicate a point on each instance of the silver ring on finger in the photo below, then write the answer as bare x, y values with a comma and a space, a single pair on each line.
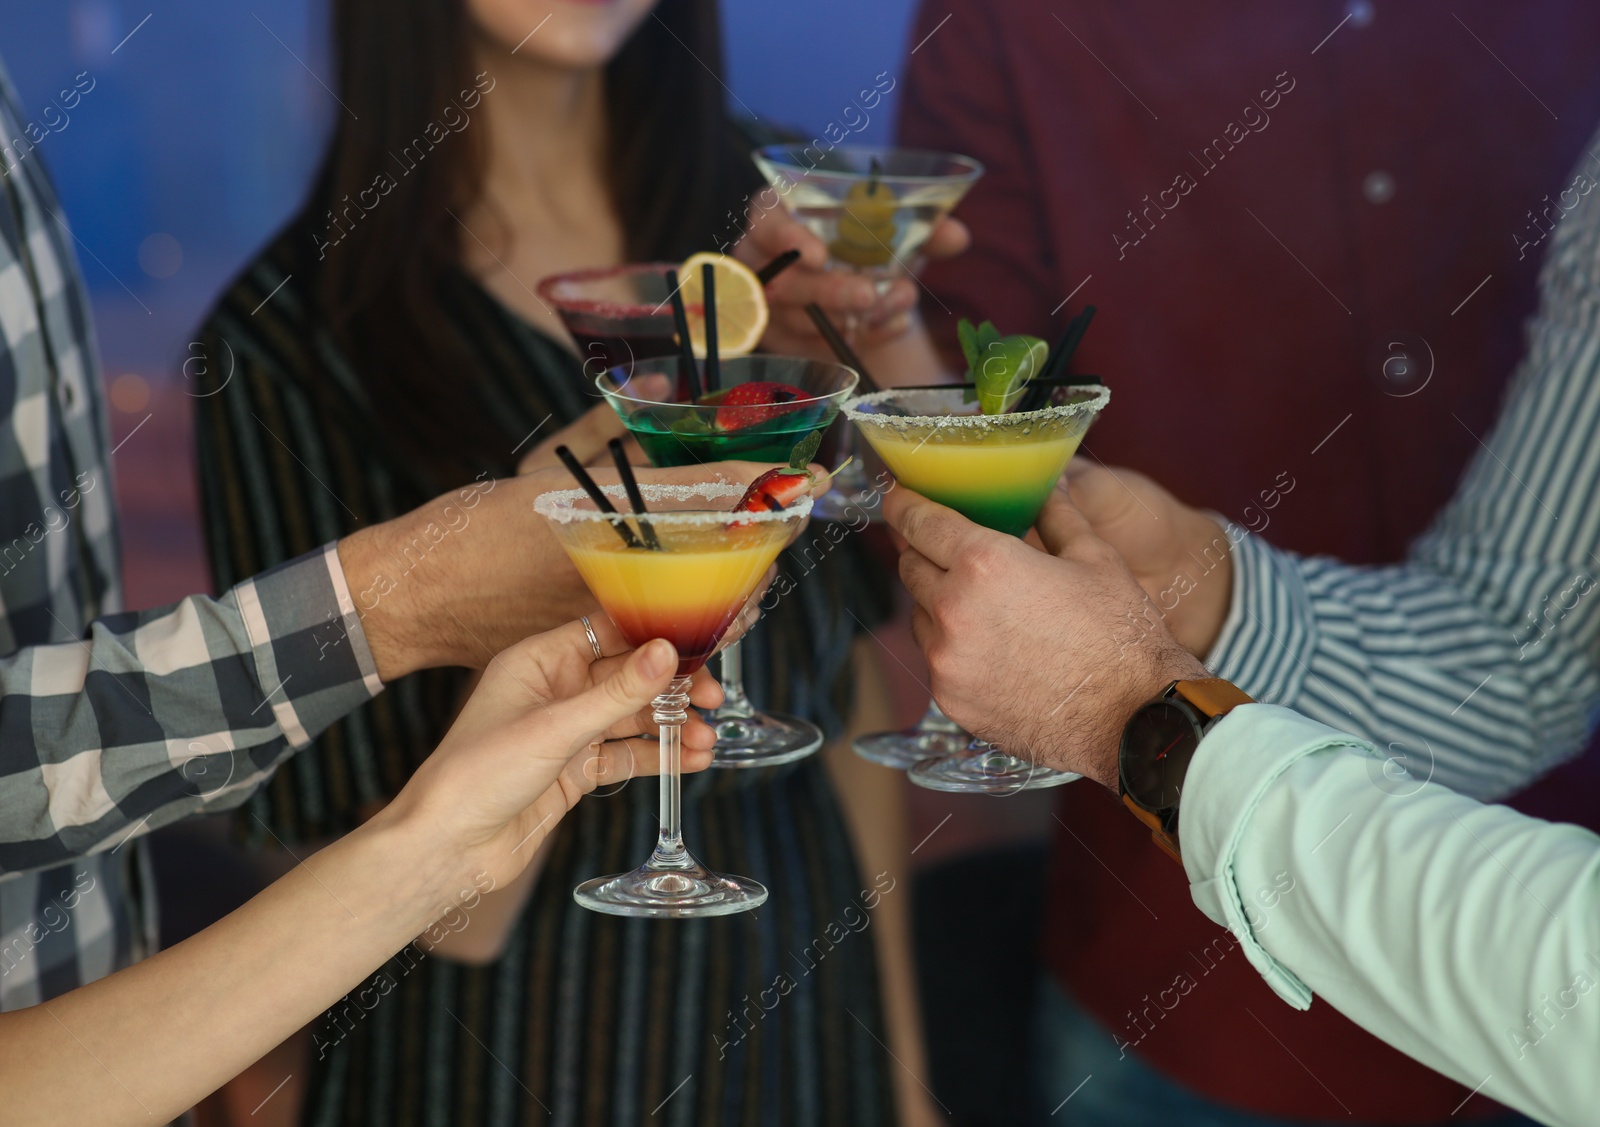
594, 642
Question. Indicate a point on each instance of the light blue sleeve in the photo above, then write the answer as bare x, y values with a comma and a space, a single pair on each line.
1466, 935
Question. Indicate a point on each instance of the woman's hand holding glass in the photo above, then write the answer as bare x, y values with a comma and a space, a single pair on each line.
547, 724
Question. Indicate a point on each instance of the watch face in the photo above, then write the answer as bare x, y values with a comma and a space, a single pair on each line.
1156, 749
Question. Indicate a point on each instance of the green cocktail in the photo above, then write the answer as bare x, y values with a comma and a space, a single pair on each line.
763, 407
679, 435
997, 470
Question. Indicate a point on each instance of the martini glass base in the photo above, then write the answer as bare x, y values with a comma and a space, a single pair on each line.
906, 748
762, 739
984, 769
681, 892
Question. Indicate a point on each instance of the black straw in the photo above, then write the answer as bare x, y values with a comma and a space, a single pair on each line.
1060, 356
601, 501
841, 347
680, 322
708, 283
1074, 338
777, 266
631, 486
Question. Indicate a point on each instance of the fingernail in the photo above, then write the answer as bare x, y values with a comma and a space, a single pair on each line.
863, 296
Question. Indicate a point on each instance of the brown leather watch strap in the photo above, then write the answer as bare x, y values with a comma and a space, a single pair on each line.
1157, 834
1212, 695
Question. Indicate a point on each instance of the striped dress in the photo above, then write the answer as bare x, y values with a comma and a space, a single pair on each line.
770, 1017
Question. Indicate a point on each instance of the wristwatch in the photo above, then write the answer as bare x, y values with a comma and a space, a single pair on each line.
1158, 744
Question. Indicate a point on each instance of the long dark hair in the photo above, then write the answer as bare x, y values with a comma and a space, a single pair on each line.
405, 84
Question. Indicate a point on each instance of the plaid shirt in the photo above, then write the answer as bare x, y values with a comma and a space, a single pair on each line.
112, 725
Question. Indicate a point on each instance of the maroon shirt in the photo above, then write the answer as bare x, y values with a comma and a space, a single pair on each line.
1267, 212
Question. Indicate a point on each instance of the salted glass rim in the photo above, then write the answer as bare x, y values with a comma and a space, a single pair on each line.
643, 366
546, 286
558, 506
1098, 396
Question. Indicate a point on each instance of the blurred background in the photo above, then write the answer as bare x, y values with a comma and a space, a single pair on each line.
198, 138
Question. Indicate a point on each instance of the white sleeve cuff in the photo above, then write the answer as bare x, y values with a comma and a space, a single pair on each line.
1236, 763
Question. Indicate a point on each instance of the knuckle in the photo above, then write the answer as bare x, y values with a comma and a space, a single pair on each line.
984, 564
595, 769
949, 607
907, 568
941, 659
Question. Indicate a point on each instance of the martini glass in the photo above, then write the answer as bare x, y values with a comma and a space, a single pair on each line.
874, 208
617, 315
675, 433
935, 735
997, 470
689, 592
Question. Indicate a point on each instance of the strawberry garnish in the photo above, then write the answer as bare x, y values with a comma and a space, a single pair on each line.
775, 490
747, 404
779, 488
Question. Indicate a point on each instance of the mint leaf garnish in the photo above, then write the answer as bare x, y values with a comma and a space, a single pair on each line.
968, 336
805, 450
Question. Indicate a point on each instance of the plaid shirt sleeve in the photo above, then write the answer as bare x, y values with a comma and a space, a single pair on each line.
163, 714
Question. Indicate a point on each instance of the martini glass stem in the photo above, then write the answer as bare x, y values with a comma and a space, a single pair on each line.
747, 737
671, 712
934, 720
735, 703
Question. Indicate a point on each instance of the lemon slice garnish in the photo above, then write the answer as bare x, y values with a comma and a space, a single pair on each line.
741, 304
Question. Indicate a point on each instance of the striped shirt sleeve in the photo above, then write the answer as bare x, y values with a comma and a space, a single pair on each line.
162, 714
1476, 662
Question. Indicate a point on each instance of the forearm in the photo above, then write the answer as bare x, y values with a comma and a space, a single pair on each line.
490, 923
1465, 935
486, 924
150, 1041
875, 809
402, 614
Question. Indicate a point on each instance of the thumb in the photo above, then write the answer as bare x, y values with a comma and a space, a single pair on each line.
1060, 524
1095, 490
1112, 498
950, 237
647, 672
